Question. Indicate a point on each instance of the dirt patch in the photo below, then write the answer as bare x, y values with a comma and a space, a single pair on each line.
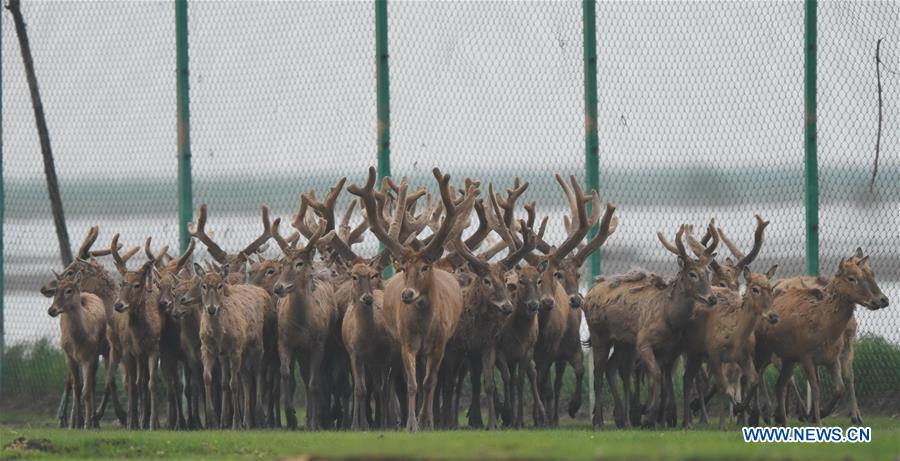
23, 443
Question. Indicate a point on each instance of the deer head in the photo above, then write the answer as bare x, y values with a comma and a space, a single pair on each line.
84, 262
365, 279
67, 296
758, 296
296, 267
169, 278
726, 275
525, 287
231, 262
212, 290
135, 284
693, 275
855, 282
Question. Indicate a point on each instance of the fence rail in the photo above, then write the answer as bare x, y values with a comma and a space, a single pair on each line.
676, 112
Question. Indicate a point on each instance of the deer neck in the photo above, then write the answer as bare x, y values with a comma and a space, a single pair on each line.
840, 310
101, 285
748, 319
72, 322
301, 301
679, 309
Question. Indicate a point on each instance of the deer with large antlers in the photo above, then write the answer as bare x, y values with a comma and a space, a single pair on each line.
306, 313
813, 318
422, 303
647, 319
98, 281
725, 335
563, 268
233, 263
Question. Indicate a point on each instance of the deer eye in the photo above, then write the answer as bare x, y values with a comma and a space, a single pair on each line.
851, 279
354, 277
692, 275
270, 272
487, 282
539, 282
424, 269
68, 291
374, 276
511, 286
298, 264
220, 286
558, 275
755, 290
203, 286
136, 285
722, 284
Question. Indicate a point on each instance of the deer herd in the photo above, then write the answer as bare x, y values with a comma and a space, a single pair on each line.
387, 352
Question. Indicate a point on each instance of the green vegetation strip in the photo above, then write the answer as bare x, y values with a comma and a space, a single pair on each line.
570, 443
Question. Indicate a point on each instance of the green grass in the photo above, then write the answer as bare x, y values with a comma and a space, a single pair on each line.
570, 443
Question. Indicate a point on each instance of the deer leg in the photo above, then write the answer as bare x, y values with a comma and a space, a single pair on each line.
507, 409
88, 376
409, 367
722, 384
286, 358
516, 374
250, 369
671, 408
839, 388
316, 403
152, 367
691, 368
787, 368
476, 371
63, 413
847, 366
457, 394
209, 361
527, 365
560, 366
810, 369
645, 351
359, 422
619, 415
490, 386
72, 366
600, 354
577, 362
432, 365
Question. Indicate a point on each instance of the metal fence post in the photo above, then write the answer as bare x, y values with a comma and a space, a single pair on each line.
185, 189
809, 138
383, 89
591, 143
2, 217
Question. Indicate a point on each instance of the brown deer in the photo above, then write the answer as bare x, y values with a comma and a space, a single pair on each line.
649, 320
98, 281
366, 335
141, 320
422, 303
231, 330
306, 312
233, 264
724, 335
264, 273
83, 339
809, 321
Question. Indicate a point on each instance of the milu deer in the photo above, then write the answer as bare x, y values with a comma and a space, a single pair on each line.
231, 332
724, 335
366, 336
422, 303
809, 321
233, 263
648, 320
83, 339
564, 268
98, 281
141, 321
306, 313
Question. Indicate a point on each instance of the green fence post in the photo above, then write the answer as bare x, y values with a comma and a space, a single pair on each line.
2, 217
185, 188
383, 89
591, 143
809, 139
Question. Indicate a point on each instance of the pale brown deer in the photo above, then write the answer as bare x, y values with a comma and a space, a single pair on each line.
422, 303
809, 321
83, 339
231, 330
649, 320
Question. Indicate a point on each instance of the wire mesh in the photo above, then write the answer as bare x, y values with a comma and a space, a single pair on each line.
700, 115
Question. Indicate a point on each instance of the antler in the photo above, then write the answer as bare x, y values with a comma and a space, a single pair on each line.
262, 239
509, 205
199, 233
528, 242
757, 242
158, 257
340, 247
185, 257
678, 248
580, 220
703, 252
435, 247
483, 228
299, 221
367, 194
326, 209
89, 239
480, 266
607, 226
120, 263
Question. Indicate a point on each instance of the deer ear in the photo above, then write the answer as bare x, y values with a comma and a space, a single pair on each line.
77, 279
863, 261
198, 269
859, 252
542, 266
729, 261
746, 273
681, 262
770, 274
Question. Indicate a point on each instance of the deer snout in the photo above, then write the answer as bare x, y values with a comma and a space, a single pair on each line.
120, 307
711, 300
408, 295
166, 304
212, 309
533, 306
576, 301
53, 311
883, 302
505, 307
367, 299
282, 289
773, 318
547, 303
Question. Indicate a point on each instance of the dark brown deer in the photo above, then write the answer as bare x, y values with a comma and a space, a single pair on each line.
422, 303
83, 340
649, 320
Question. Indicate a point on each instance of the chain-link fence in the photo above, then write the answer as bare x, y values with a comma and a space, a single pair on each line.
700, 115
